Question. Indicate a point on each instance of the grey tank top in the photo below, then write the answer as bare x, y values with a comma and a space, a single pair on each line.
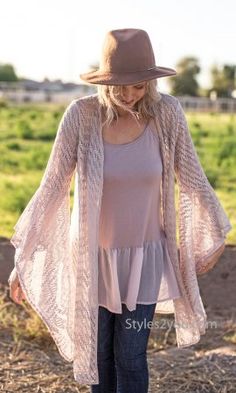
133, 265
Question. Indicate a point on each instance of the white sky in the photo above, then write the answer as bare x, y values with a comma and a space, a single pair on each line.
59, 39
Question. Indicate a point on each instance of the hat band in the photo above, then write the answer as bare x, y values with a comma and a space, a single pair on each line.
127, 72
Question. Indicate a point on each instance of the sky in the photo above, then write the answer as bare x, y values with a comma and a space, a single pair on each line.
60, 39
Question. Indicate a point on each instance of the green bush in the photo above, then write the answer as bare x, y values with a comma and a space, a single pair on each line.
204, 133
25, 130
196, 125
45, 135
197, 140
230, 129
9, 163
213, 177
13, 146
227, 150
57, 114
33, 115
3, 103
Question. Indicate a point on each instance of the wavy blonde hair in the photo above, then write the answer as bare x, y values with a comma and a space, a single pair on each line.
145, 108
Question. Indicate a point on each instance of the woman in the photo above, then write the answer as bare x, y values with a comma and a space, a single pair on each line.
97, 275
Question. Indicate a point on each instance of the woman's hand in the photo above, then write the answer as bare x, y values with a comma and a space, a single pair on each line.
16, 292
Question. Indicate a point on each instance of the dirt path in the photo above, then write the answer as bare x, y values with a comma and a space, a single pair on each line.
208, 366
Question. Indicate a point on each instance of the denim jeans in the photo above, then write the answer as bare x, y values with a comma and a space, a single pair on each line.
122, 345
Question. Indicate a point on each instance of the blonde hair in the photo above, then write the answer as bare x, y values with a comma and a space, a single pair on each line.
109, 98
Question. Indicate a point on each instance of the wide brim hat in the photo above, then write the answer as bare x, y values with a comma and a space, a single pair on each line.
127, 58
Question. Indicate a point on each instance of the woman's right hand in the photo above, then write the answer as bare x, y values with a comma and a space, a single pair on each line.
16, 292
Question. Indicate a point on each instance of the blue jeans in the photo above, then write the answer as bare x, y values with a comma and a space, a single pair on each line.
122, 345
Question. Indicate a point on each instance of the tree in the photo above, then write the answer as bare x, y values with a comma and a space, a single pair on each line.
223, 80
7, 73
185, 83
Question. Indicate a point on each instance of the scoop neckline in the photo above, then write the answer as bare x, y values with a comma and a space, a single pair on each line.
131, 142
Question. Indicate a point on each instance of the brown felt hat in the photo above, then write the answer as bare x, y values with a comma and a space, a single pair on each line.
127, 58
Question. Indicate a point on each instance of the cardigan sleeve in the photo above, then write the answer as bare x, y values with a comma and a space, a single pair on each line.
43, 256
54, 185
203, 223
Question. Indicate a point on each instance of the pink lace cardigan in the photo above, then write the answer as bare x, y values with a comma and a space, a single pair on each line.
57, 252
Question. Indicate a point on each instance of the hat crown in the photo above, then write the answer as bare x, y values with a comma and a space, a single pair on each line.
127, 50
127, 58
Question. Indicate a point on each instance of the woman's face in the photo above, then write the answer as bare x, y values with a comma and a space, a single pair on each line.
133, 93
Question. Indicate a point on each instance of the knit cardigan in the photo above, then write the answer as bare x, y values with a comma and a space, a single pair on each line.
56, 250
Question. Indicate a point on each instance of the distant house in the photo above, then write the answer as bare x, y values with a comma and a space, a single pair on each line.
28, 90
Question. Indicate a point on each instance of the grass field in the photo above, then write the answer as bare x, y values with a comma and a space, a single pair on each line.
27, 133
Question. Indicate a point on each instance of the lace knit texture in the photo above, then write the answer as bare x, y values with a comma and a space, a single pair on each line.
57, 252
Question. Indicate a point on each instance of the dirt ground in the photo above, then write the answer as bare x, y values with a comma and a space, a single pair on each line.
208, 366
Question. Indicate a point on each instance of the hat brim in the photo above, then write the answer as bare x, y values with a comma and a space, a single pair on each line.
100, 78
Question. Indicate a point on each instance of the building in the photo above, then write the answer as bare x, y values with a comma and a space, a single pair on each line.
46, 91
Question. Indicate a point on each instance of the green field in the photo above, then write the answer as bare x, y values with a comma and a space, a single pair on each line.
27, 132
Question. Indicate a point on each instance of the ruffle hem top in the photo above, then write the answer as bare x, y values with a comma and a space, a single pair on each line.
133, 262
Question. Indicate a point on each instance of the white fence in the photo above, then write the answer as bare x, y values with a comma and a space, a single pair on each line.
204, 104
